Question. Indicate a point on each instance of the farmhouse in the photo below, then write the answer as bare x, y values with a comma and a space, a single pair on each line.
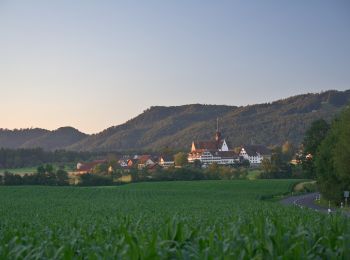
87, 167
255, 153
144, 161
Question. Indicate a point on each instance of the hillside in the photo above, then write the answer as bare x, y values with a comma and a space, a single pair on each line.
176, 127
16, 138
48, 140
159, 127
58, 139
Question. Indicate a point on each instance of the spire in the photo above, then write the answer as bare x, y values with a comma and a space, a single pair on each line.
218, 134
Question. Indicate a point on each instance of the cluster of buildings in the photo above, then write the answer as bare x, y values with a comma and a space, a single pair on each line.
130, 162
217, 151
206, 152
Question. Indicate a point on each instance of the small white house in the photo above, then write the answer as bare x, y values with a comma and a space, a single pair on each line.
255, 153
166, 161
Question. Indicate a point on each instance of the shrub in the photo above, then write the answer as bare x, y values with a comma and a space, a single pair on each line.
90, 179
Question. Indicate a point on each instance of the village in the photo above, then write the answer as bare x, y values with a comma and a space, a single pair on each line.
202, 154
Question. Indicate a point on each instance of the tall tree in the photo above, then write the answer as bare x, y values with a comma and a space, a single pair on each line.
278, 166
180, 159
333, 157
313, 138
62, 177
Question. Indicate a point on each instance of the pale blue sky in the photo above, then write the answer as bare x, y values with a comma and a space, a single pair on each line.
94, 64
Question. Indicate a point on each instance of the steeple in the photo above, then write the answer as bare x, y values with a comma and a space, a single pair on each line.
217, 134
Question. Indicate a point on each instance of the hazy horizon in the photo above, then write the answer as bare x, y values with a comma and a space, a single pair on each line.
92, 65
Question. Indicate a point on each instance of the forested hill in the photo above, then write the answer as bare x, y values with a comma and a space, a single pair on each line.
48, 140
176, 127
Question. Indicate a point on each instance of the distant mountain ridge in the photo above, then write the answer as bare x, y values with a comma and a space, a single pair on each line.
177, 126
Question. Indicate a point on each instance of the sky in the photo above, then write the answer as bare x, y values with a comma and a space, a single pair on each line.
95, 64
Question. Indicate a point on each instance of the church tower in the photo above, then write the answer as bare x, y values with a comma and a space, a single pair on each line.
217, 134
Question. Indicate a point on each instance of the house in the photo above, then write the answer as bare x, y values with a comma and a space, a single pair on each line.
212, 151
87, 167
166, 161
132, 163
123, 163
144, 161
255, 153
153, 167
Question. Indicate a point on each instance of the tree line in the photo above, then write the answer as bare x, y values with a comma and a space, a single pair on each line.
19, 158
44, 175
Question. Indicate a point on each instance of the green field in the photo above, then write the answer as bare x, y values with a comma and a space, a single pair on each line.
31, 170
20, 171
200, 220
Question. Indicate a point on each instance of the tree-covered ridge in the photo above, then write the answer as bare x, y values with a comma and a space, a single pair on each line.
36, 137
177, 126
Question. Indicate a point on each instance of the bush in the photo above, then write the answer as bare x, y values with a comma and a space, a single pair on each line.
95, 180
12, 179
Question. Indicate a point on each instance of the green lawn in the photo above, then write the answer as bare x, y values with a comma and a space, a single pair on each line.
200, 220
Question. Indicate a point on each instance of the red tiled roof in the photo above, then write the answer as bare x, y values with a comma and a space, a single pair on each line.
86, 167
226, 154
208, 145
143, 159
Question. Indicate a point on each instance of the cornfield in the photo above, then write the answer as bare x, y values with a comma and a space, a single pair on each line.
167, 220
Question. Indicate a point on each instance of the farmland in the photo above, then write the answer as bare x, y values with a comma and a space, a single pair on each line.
202, 220
30, 170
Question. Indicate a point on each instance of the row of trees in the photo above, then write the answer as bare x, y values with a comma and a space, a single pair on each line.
18, 158
45, 175
213, 172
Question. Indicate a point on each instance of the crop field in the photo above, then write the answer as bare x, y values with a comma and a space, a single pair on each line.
167, 220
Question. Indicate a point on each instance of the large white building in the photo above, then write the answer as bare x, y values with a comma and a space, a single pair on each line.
214, 151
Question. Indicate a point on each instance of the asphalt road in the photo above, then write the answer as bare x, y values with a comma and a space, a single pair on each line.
307, 201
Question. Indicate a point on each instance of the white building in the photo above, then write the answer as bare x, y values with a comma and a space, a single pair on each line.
215, 151
255, 153
166, 161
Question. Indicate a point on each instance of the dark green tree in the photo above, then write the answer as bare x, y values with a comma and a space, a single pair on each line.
62, 177
12, 179
180, 159
332, 159
313, 138
278, 166
197, 164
